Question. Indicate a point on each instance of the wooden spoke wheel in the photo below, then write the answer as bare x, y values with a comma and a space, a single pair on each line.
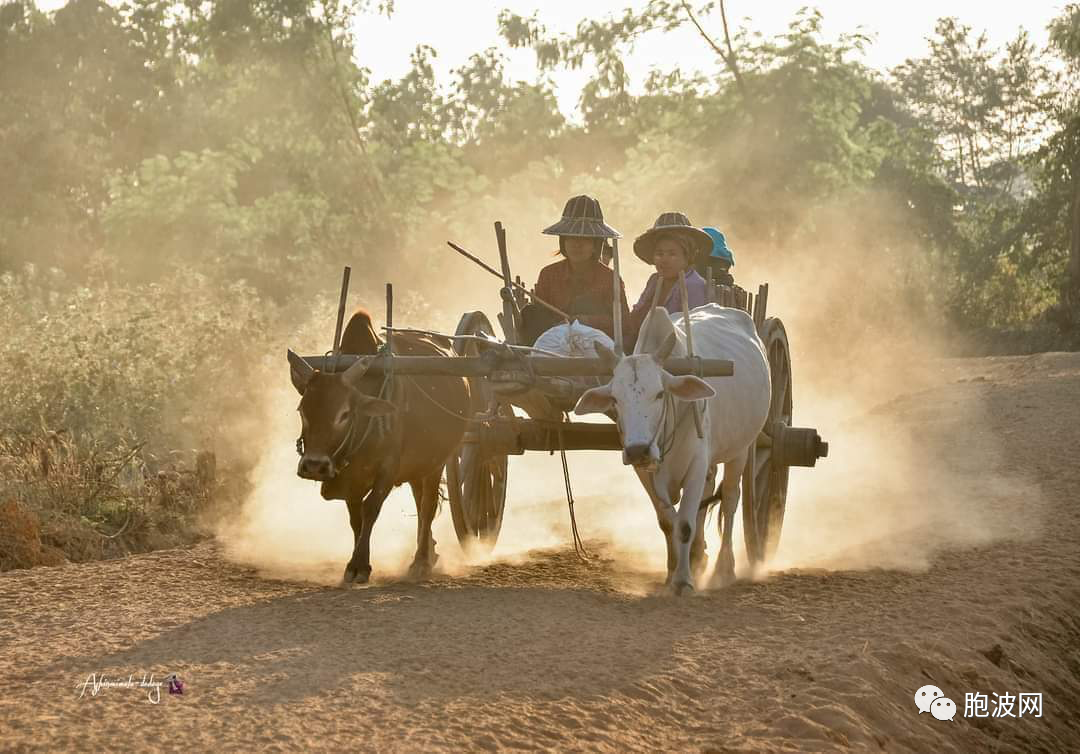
764, 483
475, 479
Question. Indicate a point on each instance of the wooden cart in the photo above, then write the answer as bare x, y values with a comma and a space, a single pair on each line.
501, 376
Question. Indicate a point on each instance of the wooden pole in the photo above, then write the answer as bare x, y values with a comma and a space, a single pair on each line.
686, 314
390, 317
617, 299
480, 366
341, 308
690, 350
507, 292
761, 302
516, 285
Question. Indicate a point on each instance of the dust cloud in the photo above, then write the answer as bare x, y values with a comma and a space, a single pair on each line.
865, 362
868, 369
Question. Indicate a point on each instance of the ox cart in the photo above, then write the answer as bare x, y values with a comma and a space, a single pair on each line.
506, 373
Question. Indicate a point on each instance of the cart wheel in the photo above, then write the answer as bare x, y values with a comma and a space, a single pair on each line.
476, 482
764, 484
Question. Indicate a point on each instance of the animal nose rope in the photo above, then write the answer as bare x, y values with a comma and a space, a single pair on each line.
579, 546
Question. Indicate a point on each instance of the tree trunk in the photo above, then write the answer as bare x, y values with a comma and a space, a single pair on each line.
1072, 278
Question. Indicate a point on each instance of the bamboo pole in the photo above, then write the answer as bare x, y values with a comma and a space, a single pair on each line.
519, 286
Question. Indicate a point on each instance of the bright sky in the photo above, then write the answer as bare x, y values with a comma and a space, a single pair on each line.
458, 29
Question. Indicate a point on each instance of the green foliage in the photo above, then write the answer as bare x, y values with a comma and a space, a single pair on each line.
985, 106
116, 363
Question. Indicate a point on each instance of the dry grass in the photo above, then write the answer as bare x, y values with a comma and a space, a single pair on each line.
66, 500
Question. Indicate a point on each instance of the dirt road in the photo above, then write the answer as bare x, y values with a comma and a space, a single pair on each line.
550, 653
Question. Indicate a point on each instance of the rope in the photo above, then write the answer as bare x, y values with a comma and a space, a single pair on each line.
440, 406
579, 546
669, 441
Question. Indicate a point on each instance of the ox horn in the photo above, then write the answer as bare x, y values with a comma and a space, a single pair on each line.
665, 349
299, 371
356, 372
607, 356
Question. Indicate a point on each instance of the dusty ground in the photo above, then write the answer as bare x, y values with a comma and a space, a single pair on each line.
557, 655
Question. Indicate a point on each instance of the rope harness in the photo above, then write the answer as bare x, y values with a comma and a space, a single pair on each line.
380, 425
664, 441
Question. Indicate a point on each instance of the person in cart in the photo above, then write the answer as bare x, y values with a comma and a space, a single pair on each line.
579, 284
671, 245
721, 259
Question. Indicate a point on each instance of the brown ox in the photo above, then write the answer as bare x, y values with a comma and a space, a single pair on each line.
361, 446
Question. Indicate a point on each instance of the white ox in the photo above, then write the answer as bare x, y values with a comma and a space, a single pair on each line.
659, 434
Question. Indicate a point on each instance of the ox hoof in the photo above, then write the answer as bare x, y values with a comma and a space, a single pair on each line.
722, 578
420, 570
681, 588
355, 575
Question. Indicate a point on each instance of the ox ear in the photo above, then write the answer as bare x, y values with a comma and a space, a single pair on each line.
607, 356
376, 407
595, 401
688, 387
356, 372
300, 372
665, 349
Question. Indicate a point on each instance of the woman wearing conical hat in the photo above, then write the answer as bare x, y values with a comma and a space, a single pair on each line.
670, 245
578, 284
